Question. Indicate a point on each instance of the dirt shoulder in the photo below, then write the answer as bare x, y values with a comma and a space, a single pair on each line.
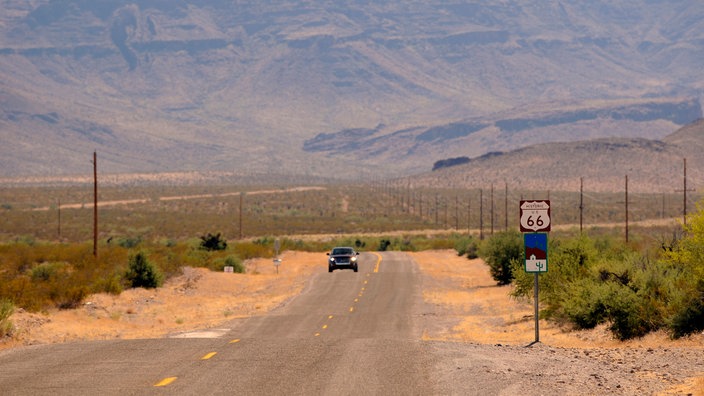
468, 308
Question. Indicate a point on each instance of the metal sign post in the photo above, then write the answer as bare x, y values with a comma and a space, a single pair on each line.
535, 216
277, 260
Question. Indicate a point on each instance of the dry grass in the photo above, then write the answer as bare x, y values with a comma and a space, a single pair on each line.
198, 299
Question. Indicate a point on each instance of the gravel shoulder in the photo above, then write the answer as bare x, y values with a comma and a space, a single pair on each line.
483, 342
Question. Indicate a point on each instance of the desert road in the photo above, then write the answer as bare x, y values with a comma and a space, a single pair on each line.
347, 333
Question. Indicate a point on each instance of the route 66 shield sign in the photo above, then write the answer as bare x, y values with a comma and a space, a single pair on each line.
535, 216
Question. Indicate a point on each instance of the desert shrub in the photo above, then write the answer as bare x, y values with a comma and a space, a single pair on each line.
586, 304
592, 282
7, 308
212, 242
688, 318
142, 273
687, 255
467, 246
569, 261
70, 297
49, 270
110, 284
229, 261
129, 242
384, 244
499, 252
248, 250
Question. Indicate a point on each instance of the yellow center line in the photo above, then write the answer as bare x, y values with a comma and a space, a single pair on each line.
330, 317
166, 381
356, 300
325, 327
236, 340
317, 334
376, 268
365, 282
351, 309
208, 356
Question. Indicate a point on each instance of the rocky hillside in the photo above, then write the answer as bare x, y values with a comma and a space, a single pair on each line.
293, 86
651, 165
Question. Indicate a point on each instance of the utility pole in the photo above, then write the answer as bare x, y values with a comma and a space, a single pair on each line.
457, 212
59, 210
506, 206
684, 195
626, 208
241, 198
436, 208
492, 209
469, 207
481, 214
95, 204
447, 204
581, 202
420, 204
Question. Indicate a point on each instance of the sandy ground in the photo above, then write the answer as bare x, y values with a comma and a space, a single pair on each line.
471, 308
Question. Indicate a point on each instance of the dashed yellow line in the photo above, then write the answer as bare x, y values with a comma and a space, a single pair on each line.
351, 309
208, 356
166, 381
378, 261
235, 341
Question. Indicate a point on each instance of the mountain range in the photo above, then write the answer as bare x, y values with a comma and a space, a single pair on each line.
353, 89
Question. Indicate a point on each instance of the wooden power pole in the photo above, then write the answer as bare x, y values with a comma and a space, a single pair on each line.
95, 204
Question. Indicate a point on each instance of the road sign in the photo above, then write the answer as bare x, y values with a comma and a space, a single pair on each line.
536, 248
535, 216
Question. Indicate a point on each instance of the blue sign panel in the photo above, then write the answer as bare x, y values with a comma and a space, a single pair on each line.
536, 248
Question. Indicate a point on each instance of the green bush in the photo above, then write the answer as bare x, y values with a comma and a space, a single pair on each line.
467, 246
71, 297
212, 242
499, 252
7, 308
142, 273
129, 242
688, 318
586, 304
625, 313
47, 271
230, 261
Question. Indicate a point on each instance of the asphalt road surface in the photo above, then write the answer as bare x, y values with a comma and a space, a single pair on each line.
347, 333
